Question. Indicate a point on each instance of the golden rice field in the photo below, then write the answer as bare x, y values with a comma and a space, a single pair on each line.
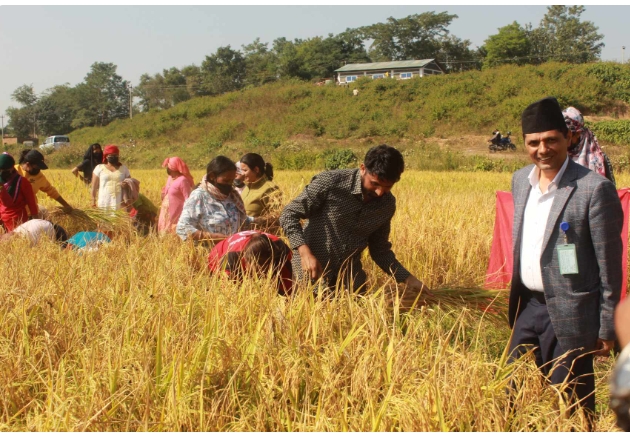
138, 335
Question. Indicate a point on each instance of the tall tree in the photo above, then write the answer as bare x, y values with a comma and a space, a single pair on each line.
224, 71
55, 110
151, 91
194, 80
510, 45
23, 121
163, 90
289, 62
563, 36
175, 82
102, 97
25, 95
417, 36
260, 63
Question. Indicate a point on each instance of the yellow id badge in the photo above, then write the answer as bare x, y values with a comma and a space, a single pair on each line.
567, 259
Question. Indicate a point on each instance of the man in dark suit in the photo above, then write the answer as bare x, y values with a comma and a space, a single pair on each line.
567, 251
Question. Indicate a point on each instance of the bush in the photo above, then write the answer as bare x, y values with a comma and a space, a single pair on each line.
459, 103
613, 131
342, 158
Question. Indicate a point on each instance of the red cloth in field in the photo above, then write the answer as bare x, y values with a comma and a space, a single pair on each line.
226, 256
499, 273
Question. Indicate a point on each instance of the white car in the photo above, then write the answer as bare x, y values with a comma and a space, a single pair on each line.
55, 142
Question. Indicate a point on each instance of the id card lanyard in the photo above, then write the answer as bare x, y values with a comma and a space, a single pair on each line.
567, 256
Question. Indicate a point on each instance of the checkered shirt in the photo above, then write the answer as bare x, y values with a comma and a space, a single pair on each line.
340, 226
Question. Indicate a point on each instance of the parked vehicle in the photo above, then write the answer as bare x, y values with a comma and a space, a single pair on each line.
55, 142
500, 143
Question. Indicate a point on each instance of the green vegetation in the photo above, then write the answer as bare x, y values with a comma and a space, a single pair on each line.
614, 131
293, 123
104, 96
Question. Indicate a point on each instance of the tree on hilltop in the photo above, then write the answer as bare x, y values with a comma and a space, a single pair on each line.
223, 71
563, 37
102, 97
510, 45
23, 120
260, 63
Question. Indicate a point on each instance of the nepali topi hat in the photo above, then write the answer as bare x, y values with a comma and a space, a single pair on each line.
543, 115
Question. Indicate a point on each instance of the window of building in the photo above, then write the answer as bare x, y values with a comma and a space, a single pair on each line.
351, 78
405, 75
375, 76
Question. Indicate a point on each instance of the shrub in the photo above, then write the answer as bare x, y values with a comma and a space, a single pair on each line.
342, 158
613, 131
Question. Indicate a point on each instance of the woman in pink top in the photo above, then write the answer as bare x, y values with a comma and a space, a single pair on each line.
178, 187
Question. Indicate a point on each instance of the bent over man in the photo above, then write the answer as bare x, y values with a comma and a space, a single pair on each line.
567, 251
347, 211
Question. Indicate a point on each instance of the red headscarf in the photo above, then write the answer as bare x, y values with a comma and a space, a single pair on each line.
110, 149
175, 163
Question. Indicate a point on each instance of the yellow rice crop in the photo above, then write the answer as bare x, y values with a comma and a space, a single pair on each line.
138, 335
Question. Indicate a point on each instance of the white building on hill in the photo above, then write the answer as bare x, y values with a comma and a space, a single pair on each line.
402, 70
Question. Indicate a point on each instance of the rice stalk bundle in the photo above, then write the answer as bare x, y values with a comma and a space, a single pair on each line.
491, 302
89, 219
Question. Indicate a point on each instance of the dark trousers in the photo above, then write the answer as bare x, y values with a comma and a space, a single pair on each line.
533, 328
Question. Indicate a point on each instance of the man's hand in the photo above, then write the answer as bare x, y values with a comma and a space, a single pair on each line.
622, 323
415, 294
310, 264
604, 347
414, 283
417, 286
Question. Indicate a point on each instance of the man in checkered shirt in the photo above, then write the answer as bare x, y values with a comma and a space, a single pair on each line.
347, 211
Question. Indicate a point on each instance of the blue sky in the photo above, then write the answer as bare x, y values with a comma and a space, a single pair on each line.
49, 45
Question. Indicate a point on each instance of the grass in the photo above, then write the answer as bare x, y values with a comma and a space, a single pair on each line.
139, 336
293, 123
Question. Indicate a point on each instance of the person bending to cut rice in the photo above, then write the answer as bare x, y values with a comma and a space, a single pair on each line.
31, 164
37, 229
347, 211
253, 251
17, 199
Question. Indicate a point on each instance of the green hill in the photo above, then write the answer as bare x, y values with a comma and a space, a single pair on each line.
300, 125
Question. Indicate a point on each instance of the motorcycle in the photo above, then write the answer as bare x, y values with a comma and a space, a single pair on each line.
499, 143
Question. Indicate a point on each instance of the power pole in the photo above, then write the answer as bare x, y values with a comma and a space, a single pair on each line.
623, 51
2, 117
130, 87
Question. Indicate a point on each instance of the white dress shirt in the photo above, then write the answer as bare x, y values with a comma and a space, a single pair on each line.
534, 223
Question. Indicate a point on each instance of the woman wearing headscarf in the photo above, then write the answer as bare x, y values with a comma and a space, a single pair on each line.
179, 184
584, 148
93, 156
17, 198
214, 210
107, 180
239, 182
260, 190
